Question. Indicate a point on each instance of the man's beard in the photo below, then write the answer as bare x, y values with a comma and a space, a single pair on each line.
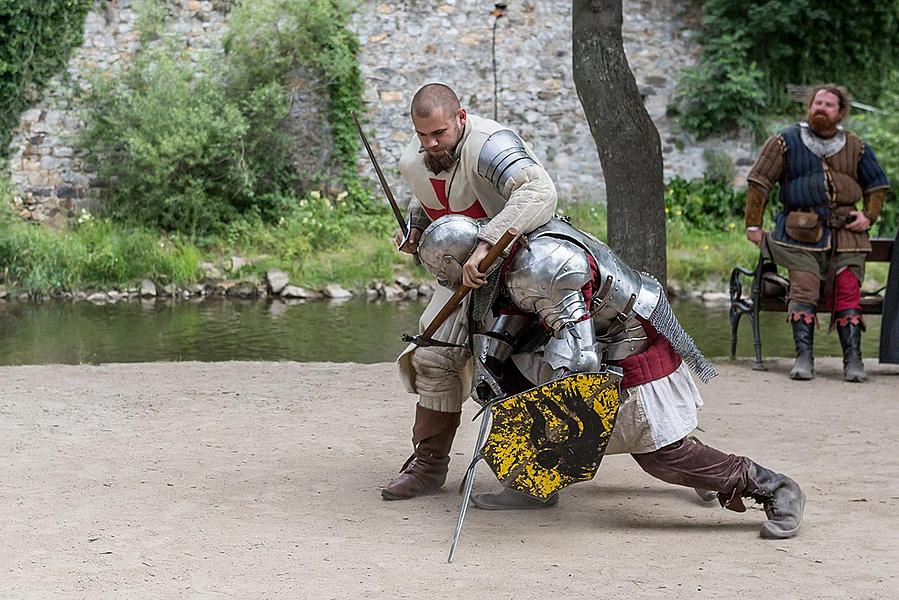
821, 123
440, 162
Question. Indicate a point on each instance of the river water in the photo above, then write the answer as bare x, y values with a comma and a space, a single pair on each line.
354, 331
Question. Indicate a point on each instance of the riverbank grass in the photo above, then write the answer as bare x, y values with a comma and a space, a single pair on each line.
314, 248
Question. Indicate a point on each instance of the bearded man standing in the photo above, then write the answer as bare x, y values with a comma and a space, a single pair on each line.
457, 163
820, 236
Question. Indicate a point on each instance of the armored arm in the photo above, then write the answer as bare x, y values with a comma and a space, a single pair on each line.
547, 278
509, 165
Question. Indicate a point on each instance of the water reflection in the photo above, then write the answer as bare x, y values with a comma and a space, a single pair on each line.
354, 331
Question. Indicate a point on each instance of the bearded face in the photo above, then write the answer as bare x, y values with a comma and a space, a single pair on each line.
439, 162
824, 113
439, 135
822, 122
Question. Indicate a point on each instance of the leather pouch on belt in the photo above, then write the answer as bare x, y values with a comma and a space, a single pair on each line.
805, 227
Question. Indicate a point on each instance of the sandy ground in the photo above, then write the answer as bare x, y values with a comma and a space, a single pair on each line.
261, 480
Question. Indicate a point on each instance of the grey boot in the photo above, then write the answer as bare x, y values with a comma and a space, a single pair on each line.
804, 336
706, 495
851, 341
783, 499
509, 499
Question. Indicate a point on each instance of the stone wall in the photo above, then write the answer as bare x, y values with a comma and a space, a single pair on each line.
404, 43
411, 42
50, 174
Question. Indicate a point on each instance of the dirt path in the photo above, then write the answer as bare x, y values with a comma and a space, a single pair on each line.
260, 480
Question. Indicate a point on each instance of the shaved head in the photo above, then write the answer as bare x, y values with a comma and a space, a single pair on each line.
435, 99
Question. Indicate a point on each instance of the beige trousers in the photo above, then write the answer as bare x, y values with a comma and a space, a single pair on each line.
440, 376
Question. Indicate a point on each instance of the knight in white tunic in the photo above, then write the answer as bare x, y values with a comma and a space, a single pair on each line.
462, 164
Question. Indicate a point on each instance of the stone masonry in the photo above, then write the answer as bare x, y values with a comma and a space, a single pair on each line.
404, 43
409, 43
47, 168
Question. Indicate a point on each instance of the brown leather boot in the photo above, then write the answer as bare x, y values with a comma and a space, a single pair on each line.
425, 471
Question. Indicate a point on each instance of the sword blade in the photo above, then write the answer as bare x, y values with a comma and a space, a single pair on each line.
374, 161
469, 482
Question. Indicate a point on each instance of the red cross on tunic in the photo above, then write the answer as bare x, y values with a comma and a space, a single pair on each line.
475, 210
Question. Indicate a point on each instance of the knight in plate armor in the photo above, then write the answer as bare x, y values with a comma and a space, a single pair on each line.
563, 302
820, 235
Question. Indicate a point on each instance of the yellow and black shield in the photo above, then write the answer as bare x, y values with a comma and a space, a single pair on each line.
553, 435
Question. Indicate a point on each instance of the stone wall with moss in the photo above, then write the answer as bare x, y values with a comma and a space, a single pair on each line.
408, 43
403, 45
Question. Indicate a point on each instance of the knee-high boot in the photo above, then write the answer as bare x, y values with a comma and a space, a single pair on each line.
804, 337
849, 328
425, 471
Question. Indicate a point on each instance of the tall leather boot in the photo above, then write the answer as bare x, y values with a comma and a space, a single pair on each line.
804, 337
781, 497
425, 471
849, 328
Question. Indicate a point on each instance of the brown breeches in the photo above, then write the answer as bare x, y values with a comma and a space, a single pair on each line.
691, 463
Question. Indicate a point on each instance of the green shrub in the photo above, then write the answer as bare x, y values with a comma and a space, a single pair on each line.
751, 50
704, 204
195, 148
174, 146
313, 224
724, 91
881, 131
36, 39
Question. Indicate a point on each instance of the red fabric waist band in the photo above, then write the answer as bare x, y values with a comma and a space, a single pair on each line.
657, 361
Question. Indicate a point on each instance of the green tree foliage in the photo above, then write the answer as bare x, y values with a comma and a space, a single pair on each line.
36, 39
724, 91
753, 49
881, 131
173, 145
195, 147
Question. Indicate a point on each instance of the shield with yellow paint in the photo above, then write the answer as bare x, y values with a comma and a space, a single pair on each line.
553, 435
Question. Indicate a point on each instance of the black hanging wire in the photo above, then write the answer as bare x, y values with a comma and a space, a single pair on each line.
499, 10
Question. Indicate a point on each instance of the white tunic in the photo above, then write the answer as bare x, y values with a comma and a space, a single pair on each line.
527, 202
650, 416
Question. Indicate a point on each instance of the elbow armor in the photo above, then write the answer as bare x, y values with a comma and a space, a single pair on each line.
502, 157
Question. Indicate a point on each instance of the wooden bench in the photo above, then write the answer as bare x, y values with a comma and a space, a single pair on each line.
768, 291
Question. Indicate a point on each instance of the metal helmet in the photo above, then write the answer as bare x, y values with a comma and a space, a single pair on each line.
445, 246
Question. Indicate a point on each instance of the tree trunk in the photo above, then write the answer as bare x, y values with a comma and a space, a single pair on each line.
626, 138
